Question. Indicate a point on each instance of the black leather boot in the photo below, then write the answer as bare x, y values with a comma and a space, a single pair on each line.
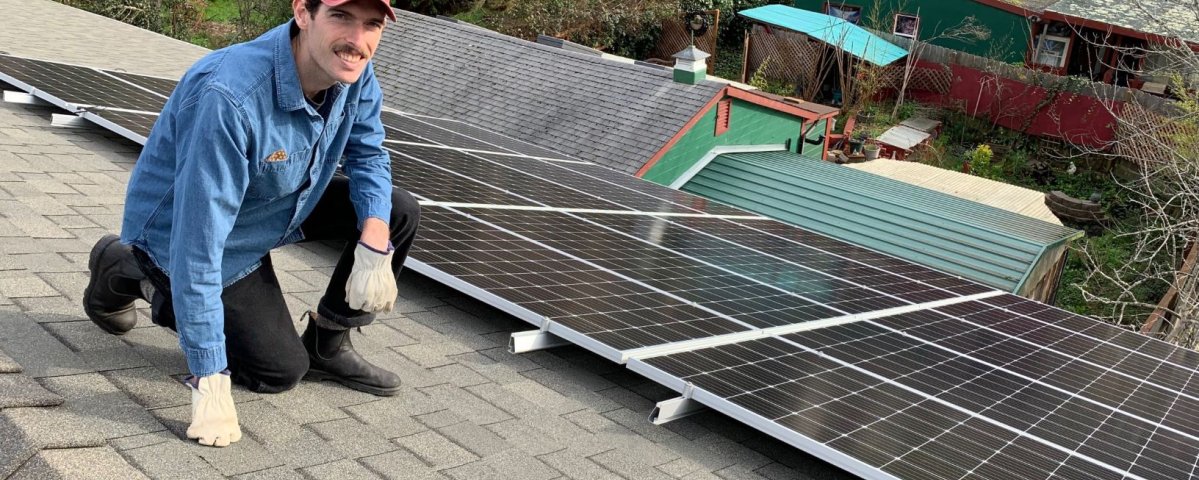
113, 286
331, 356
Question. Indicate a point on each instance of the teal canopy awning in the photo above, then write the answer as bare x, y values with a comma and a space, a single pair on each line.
832, 30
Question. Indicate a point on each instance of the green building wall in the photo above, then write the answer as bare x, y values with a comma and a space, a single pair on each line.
1009, 34
749, 124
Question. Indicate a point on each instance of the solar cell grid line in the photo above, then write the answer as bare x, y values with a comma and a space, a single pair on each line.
886, 284
1152, 387
534, 189
630, 198
859, 421
853, 253
427, 133
718, 289
135, 126
496, 140
158, 85
1143, 345
879, 434
1067, 418
68, 86
390, 119
821, 287
612, 184
1039, 363
592, 301
435, 183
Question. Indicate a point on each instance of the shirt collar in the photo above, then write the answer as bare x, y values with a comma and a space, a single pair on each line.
289, 95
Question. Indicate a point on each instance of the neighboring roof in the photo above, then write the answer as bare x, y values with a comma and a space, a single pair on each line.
1169, 18
1024, 201
1019, 6
611, 113
52, 31
831, 30
951, 234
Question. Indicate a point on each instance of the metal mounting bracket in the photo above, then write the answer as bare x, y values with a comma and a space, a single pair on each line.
675, 408
533, 340
68, 121
23, 98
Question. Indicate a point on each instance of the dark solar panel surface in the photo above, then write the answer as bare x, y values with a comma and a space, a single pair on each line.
721, 290
428, 133
590, 300
139, 123
517, 183
425, 179
80, 85
967, 391
161, 86
633, 199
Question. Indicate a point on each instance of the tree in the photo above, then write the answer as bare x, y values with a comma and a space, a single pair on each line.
1161, 139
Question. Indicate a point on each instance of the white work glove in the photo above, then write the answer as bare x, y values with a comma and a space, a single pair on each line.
214, 419
372, 284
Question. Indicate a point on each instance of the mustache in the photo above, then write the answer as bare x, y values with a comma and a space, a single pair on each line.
350, 49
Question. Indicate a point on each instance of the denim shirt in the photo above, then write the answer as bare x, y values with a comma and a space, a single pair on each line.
235, 163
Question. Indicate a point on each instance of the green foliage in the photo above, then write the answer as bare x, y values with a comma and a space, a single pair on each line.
761, 82
175, 18
626, 28
979, 159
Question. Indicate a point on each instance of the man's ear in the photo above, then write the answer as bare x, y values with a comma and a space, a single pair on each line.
303, 17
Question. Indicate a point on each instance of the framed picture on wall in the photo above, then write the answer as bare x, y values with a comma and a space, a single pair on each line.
906, 25
849, 13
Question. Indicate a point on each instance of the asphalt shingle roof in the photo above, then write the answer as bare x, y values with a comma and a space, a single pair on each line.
604, 111
78, 403
1170, 18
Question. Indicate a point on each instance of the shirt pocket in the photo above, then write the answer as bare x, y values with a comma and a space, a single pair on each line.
279, 178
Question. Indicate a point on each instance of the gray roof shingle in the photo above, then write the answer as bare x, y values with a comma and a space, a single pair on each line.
1169, 18
604, 111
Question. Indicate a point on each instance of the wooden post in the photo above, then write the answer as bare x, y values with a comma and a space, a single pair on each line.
745, 55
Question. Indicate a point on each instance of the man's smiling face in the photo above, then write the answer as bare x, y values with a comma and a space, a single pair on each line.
337, 42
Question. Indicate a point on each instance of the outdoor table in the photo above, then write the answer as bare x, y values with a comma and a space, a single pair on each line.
923, 124
901, 139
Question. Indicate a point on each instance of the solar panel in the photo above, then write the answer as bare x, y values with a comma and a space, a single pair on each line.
518, 183
615, 311
636, 199
79, 86
137, 123
161, 86
969, 390
430, 134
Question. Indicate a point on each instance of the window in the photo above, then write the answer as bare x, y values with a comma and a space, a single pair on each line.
906, 25
1052, 45
849, 13
724, 110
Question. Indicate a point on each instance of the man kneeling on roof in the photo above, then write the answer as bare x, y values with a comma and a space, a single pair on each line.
242, 161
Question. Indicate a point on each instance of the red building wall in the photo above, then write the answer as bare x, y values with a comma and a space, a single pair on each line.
1076, 118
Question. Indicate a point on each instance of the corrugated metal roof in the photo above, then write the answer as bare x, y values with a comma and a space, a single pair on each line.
832, 30
1000, 195
976, 241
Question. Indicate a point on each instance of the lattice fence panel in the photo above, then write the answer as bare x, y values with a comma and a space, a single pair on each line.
1147, 137
793, 57
937, 80
676, 36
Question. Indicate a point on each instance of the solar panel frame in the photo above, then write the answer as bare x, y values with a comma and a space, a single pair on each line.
62, 85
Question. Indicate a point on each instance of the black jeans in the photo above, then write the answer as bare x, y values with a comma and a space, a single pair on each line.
261, 345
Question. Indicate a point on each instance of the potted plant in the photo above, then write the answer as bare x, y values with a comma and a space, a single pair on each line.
871, 150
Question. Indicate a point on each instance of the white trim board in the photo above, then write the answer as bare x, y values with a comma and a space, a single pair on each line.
716, 152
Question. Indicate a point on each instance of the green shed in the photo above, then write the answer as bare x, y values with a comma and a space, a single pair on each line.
1006, 250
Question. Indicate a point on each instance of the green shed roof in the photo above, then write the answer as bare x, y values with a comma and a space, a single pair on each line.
980, 242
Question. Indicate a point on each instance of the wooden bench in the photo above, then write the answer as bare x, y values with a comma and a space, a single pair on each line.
1075, 210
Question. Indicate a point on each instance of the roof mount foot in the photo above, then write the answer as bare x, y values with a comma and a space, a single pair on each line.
534, 340
674, 409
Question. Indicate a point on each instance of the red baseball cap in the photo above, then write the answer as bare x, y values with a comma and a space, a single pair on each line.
384, 4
